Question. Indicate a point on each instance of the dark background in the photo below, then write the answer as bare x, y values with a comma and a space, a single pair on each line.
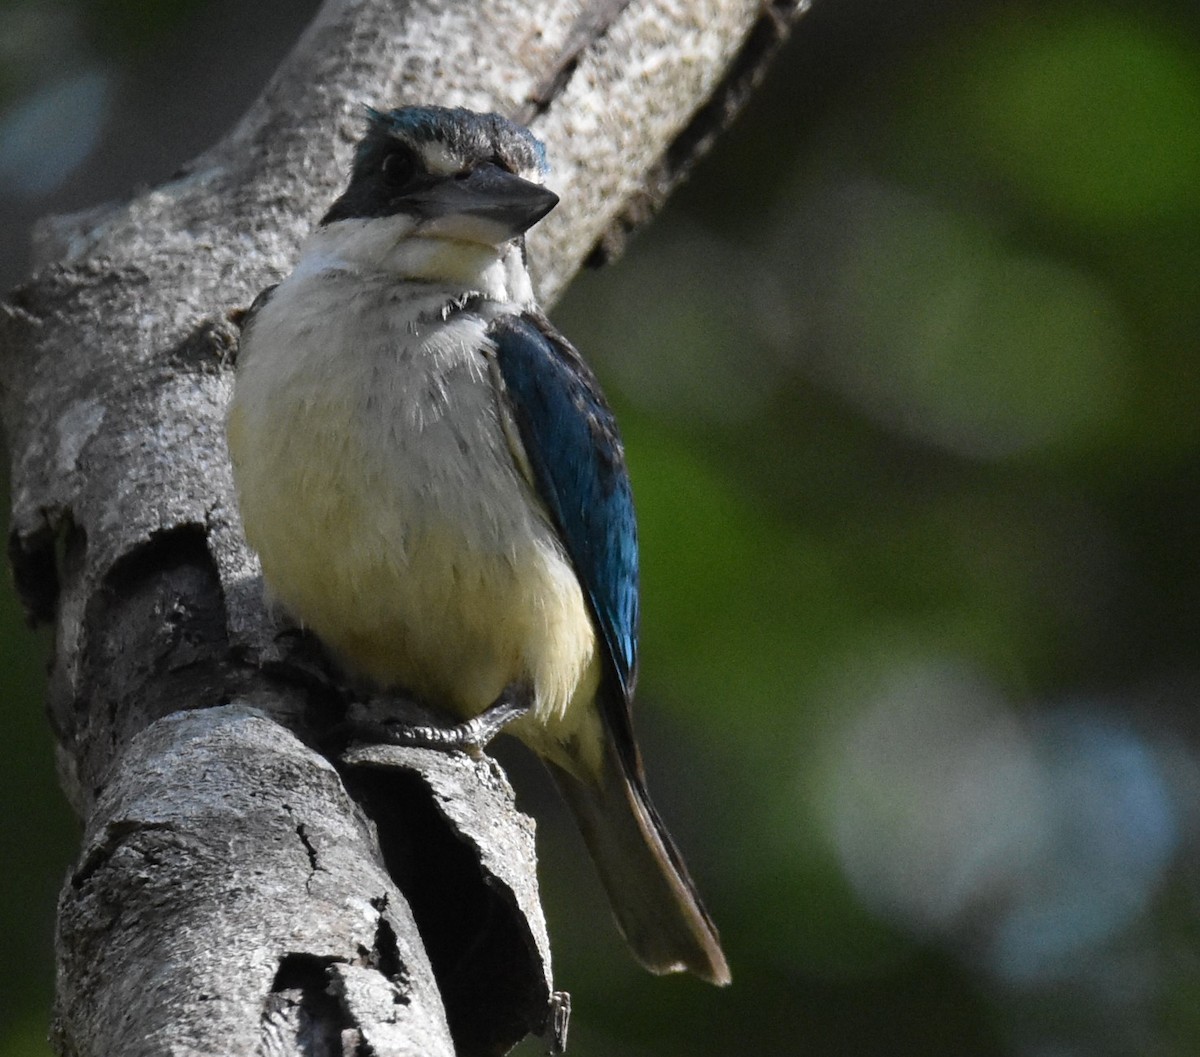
908, 376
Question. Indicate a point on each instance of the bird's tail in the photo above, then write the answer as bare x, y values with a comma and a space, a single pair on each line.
657, 907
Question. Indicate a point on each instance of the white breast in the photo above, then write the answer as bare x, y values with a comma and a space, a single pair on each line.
379, 487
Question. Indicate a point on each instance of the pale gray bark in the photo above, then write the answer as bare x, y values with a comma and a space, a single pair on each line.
245, 886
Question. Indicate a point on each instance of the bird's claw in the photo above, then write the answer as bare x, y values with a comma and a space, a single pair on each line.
470, 736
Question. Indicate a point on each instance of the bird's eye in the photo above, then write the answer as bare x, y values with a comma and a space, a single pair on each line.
399, 167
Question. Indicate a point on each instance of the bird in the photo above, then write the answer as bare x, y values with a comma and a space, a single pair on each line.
436, 487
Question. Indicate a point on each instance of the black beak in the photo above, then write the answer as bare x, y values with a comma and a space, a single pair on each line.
490, 193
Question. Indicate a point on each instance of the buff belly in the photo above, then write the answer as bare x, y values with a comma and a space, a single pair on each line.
392, 520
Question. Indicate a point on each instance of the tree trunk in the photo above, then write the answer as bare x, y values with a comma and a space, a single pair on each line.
246, 884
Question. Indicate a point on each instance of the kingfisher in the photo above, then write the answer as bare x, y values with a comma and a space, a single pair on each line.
436, 488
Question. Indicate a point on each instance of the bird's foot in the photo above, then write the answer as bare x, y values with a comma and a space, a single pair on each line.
470, 736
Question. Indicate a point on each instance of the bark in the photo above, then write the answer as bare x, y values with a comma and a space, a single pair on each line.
247, 883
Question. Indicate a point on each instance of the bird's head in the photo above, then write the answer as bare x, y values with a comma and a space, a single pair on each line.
453, 173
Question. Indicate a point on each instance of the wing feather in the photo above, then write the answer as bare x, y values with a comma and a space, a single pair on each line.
570, 438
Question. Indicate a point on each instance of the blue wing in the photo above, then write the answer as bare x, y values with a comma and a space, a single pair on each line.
578, 464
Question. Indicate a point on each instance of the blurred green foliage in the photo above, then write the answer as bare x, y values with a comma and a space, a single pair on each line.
1093, 116
908, 376
37, 836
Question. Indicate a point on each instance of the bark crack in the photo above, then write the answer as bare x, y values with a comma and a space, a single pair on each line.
590, 26
386, 955
741, 77
302, 833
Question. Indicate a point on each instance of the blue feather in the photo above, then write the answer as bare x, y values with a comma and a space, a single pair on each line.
578, 463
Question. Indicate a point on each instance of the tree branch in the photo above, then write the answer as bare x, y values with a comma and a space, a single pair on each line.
237, 892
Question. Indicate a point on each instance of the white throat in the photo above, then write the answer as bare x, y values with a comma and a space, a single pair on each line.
395, 248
